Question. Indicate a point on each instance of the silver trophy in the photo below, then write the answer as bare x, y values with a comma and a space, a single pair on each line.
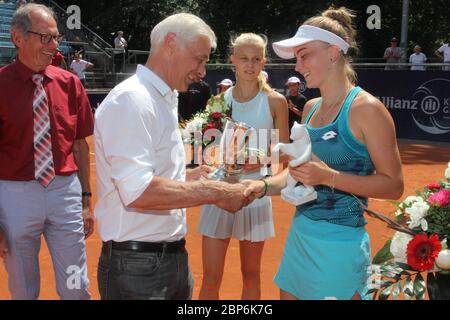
233, 151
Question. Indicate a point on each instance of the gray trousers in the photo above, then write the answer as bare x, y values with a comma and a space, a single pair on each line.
28, 211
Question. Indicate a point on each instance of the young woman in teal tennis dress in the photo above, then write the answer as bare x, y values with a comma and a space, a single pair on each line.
327, 251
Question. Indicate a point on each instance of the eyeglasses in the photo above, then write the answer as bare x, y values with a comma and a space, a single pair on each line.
47, 38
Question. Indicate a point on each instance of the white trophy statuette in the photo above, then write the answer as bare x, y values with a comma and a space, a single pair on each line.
300, 151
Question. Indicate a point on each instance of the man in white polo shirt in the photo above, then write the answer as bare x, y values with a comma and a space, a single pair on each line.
417, 58
79, 66
141, 172
444, 53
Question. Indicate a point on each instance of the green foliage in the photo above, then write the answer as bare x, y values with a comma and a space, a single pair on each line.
384, 254
398, 278
439, 221
274, 18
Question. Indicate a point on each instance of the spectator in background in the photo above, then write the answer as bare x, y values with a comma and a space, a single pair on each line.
224, 85
58, 60
417, 58
296, 101
394, 55
77, 46
193, 100
120, 44
444, 53
79, 66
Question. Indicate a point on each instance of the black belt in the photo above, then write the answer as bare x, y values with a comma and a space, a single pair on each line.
140, 246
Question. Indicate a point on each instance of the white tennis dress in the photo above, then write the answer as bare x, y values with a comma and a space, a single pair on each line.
254, 222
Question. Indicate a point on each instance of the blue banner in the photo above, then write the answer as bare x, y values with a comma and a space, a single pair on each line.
419, 101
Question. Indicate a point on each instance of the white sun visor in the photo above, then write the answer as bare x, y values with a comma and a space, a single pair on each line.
285, 48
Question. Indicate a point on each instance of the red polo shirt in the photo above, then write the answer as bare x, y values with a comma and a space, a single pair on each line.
70, 119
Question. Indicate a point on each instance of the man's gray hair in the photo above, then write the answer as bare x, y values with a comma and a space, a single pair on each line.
21, 20
186, 26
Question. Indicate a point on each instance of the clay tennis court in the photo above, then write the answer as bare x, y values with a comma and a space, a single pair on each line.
421, 164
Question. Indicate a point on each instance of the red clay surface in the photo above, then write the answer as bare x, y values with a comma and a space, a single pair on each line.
421, 164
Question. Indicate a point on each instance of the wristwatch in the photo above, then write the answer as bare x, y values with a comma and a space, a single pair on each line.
86, 194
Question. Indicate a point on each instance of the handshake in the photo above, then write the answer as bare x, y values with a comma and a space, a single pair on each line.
230, 197
235, 196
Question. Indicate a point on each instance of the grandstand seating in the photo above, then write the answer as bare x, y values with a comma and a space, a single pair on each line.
7, 50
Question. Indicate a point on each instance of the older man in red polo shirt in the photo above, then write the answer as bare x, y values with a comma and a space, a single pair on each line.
45, 117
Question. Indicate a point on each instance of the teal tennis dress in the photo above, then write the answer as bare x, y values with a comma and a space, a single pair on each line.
327, 250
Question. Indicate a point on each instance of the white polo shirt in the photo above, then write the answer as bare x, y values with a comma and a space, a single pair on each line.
136, 138
445, 49
417, 59
79, 67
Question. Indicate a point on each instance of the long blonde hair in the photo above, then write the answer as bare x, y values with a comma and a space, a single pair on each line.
259, 41
340, 22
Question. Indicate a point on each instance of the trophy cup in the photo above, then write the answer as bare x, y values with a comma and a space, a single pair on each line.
233, 151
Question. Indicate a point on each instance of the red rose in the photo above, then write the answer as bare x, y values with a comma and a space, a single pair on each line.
216, 115
440, 198
423, 251
432, 186
209, 126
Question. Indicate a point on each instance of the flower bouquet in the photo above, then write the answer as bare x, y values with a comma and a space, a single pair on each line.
213, 117
195, 133
417, 258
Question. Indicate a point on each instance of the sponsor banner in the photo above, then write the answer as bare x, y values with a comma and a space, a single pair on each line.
419, 102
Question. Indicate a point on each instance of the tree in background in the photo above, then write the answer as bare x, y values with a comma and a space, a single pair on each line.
278, 19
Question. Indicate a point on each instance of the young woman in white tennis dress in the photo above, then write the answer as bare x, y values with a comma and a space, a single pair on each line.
258, 105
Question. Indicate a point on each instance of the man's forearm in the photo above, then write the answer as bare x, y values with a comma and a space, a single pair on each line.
165, 194
81, 155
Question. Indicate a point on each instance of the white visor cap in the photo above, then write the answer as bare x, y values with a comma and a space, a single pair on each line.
226, 82
285, 48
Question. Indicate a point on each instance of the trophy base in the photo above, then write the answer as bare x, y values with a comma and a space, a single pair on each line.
295, 200
217, 174
221, 174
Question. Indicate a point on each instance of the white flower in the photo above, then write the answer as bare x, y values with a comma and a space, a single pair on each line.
447, 173
410, 200
417, 213
216, 106
443, 260
195, 124
398, 246
186, 135
398, 213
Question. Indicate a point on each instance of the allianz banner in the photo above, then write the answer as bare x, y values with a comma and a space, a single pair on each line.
419, 101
